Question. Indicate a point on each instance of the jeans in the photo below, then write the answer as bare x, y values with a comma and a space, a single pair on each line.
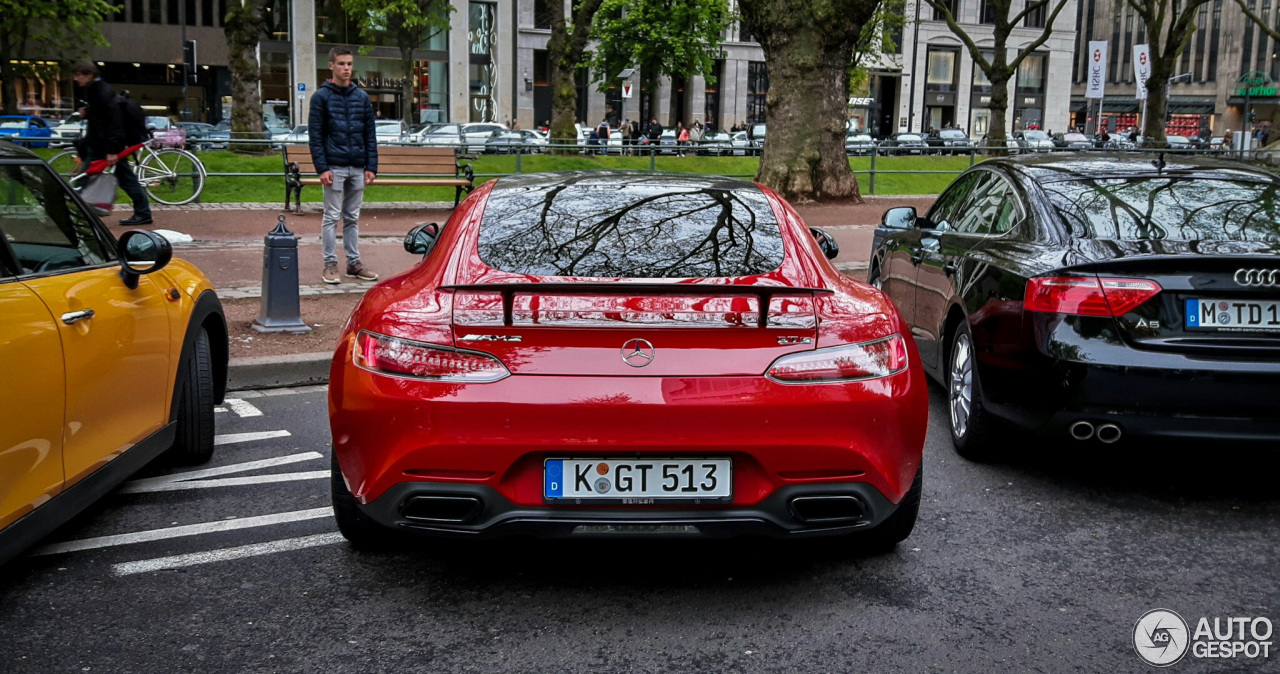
342, 198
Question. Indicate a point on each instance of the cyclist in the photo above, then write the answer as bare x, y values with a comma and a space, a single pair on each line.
105, 137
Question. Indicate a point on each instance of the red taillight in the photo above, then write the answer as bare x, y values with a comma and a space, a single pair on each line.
1088, 296
418, 360
850, 362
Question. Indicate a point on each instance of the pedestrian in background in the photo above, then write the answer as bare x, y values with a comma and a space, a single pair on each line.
682, 137
106, 135
344, 148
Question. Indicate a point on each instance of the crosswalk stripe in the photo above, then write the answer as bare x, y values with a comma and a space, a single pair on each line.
233, 438
225, 554
227, 482
181, 531
143, 485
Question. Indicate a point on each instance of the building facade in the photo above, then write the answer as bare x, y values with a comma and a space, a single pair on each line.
942, 87
1207, 91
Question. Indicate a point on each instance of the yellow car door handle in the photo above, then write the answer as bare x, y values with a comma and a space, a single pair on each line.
71, 317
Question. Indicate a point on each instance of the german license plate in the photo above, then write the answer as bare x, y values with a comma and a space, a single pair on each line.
638, 481
1233, 315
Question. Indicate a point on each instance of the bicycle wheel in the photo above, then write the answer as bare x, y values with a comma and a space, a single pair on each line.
172, 177
65, 163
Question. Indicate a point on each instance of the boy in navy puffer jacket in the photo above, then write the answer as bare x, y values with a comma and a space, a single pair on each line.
344, 148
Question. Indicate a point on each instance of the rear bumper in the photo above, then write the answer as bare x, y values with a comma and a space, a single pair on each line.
1083, 372
395, 434
495, 516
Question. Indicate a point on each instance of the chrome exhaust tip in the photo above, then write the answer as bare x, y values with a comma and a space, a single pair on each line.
1109, 433
1082, 430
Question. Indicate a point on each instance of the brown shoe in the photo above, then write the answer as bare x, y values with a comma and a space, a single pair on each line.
330, 274
361, 272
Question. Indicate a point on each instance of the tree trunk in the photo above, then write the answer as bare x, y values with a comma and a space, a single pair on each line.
997, 135
564, 51
8, 88
243, 27
406, 86
1157, 102
564, 107
804, 155
808, 49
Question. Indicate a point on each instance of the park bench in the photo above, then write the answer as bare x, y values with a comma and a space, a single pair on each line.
397, 165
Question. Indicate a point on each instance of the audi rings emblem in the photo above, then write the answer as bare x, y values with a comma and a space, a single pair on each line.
637, 352
1257, 278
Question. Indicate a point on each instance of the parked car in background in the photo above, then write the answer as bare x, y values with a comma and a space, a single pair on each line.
756, 133
903, 143
1076, 141
301, 135
1034, 140
69, 131
949, 141
1096, 298
26, 130
113, 351
164, 133
1179, 143
741, 143
859, 143
199, 135
390, 130
510, 142
714, 144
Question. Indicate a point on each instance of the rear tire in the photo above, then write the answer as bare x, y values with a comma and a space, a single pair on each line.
974, 431
899, 525
355, 526
193, 443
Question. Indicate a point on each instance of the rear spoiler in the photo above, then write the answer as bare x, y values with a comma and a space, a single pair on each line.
764, 293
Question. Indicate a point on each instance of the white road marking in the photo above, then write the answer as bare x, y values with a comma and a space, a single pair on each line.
234, 438
322, 388
225, 554
228, 482
143, 485
187, 530
243, 408
219, 409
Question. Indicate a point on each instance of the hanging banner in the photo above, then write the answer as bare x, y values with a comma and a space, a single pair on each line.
1096, 84
1141, 70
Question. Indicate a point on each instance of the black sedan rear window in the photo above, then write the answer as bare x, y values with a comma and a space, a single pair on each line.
638, 227
1167, 207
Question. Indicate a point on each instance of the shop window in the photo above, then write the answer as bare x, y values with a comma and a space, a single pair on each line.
711, 106
940, 73
1212, 74
482, 36
980, 80
757, 91
543, 14
953, 6
1037, 17
987, 12
1031, 74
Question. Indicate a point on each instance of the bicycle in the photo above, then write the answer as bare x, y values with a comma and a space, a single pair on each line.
170, 176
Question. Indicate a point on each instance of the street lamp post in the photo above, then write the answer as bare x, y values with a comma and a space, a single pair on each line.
915, 48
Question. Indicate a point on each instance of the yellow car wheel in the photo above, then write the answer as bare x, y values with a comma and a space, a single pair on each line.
194, 441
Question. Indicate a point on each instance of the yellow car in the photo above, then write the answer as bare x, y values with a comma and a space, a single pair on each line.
111, 353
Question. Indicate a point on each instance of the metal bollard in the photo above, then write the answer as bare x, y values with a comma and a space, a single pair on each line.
280, 310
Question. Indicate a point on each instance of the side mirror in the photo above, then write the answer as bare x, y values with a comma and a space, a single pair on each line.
903, 217
421, 239
141, 252
826, 242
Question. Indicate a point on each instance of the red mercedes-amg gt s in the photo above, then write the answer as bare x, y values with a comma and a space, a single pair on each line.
602, 353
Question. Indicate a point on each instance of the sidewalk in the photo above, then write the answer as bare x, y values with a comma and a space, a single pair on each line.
228, 248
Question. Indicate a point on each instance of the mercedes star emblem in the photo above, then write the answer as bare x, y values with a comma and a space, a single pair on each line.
637, 352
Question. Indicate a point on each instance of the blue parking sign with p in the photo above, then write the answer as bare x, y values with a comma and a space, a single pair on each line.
302, 87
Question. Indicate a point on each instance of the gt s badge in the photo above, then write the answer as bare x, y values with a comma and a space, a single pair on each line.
787, 341
489, 338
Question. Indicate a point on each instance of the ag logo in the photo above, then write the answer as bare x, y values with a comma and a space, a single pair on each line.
1161, 637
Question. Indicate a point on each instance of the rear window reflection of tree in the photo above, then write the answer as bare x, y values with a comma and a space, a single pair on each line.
641, 230
1170, 208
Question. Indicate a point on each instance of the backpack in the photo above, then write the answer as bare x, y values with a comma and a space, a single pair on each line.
133, 119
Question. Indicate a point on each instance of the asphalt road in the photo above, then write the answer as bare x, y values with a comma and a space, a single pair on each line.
1041, 562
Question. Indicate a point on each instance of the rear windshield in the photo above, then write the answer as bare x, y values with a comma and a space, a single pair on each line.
1170, 208
637, 228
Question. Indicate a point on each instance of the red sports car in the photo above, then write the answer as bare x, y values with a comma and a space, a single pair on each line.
603, 353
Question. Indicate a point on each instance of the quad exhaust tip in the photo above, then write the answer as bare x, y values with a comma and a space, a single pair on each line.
1083, 430
827, 508
456, 509
1109, 433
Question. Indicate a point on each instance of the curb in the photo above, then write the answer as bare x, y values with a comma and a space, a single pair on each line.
300, 369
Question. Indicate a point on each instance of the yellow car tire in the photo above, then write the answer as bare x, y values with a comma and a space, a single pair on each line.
194, 441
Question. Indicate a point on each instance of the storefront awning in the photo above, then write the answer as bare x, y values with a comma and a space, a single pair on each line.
1178, 105
1192, 105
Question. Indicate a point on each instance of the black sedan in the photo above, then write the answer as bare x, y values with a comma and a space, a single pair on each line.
904, 143
1095, 298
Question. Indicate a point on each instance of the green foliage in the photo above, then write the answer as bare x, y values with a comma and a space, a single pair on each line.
877, 37
661, 37
404, 21
68, 26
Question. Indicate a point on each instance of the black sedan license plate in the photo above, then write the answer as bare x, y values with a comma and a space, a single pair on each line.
638, 481
1233, 315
